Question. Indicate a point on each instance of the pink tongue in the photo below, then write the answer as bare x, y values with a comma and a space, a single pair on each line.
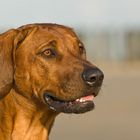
87, 98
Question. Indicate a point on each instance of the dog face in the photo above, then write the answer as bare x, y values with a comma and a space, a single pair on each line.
51, 66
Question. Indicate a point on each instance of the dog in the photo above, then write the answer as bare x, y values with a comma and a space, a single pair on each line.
43, 72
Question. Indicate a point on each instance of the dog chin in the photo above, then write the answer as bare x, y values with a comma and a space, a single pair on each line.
80, 105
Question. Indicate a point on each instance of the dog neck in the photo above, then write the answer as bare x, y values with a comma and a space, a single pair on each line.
20, 118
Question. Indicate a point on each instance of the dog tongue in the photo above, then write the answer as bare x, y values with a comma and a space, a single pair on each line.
86, 98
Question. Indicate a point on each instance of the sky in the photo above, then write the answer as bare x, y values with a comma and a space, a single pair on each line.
84, 13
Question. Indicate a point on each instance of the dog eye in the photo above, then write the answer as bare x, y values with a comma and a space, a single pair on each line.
49, 52
81, 48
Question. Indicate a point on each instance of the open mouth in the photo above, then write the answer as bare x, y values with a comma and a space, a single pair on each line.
80, 105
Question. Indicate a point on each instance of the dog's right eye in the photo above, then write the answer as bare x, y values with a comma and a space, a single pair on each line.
49, 52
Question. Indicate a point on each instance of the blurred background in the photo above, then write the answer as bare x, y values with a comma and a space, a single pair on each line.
110, 30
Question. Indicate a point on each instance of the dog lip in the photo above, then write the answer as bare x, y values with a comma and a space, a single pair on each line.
79, 105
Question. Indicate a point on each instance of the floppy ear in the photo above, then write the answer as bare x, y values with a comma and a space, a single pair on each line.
8, 44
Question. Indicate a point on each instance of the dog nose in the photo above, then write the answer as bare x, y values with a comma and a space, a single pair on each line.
93, 76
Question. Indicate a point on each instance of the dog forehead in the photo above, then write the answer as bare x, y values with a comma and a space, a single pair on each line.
62, 34
58, 31
50, 28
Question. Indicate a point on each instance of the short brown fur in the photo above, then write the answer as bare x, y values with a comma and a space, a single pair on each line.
25, 75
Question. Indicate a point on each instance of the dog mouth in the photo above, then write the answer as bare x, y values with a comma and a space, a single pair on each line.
79, 105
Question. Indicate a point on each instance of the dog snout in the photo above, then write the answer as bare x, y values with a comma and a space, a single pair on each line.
93, 76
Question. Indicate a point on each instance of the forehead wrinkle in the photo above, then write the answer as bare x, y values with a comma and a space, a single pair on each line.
58, 34
72, 44
65, 35
64, 32
48, 36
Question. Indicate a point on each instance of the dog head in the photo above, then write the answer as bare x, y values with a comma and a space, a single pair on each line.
48, 62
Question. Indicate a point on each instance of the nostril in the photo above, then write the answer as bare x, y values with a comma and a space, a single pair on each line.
101, 77
92, 78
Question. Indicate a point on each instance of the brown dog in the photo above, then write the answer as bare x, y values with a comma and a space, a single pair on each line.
43, 71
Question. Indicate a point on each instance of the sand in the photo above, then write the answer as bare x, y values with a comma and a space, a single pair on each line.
116, 115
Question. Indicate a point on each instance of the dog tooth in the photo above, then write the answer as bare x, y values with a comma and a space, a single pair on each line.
82, 100
77, 100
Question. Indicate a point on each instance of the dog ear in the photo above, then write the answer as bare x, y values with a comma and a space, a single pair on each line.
6, 61
9, 41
